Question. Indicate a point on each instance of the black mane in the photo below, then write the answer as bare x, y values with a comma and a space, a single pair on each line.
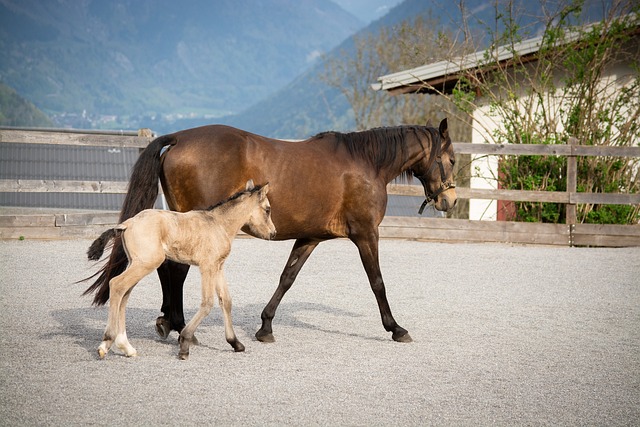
384, 146
234, 196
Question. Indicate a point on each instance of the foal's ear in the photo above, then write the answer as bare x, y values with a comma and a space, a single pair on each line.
264, 190
249, 185
444, 129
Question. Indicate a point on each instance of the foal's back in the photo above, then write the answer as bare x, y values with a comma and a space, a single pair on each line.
188, 238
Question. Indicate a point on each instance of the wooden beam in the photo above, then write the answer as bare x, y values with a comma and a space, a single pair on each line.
62, 186
76, 139
545, 150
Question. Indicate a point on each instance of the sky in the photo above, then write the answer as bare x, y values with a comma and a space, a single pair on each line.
367, 10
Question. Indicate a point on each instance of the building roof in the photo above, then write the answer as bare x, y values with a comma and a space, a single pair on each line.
441, 77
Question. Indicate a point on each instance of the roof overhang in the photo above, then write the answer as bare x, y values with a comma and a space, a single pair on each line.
442, 77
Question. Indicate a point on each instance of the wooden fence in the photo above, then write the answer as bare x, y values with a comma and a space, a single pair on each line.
67, 225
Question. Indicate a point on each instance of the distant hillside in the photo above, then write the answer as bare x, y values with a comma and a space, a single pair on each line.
18, 112
122, 63
307, 105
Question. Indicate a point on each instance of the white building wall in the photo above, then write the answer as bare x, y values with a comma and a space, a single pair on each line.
484, 169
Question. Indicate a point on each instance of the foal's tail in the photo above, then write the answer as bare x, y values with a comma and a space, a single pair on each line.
142, 194
97, 247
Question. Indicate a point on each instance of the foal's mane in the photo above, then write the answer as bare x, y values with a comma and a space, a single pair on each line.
382, 147
234, 197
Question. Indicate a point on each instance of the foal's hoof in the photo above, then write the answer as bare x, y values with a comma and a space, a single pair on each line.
163, 327
183, 356
101, 353
266, 337
402, 336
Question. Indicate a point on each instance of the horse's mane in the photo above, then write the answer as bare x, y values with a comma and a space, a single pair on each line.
382, 147
234, 196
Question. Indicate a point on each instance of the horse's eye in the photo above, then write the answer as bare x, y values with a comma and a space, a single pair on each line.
453, 161
268, 210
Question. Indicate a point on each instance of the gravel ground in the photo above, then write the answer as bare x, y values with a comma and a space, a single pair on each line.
503, 335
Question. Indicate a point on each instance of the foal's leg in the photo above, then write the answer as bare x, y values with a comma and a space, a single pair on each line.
186, 335
172, 276
368, 249
299, 255
224, 298
119, 289
121, 341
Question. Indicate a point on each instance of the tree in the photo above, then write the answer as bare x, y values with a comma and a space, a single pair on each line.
391, 49
567, 90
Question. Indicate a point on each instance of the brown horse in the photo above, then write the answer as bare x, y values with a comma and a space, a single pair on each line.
199, 237
328, 186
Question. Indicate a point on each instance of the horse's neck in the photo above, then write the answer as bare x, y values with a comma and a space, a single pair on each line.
415, 149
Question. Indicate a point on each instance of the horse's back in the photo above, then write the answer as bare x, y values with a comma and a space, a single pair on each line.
310, 181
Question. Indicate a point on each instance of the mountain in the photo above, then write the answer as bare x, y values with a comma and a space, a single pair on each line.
367, 10
16, 111
140, 62
307, 105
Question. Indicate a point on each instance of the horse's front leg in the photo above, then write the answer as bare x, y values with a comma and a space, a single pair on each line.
224, 298
172, 276
368, 249
302, 248
187, 338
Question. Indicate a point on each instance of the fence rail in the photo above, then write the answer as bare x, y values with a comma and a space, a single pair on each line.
571, 233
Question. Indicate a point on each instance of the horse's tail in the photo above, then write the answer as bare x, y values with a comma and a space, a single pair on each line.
142, 194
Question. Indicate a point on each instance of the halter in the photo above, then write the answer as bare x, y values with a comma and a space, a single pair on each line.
444, 186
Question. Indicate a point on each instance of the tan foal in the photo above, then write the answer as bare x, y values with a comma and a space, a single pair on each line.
199, 237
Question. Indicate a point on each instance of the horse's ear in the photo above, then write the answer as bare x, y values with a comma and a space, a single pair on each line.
444, 129
249, 185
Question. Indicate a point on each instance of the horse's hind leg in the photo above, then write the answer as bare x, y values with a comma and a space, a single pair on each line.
299, 255
119, 290
172, 276
121, 341
224, 298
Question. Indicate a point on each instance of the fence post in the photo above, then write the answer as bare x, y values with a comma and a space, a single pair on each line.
572, 187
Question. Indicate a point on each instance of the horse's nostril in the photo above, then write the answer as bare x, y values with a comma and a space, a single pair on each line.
455, 202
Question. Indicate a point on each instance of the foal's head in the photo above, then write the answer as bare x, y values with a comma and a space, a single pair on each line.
435, 171
259, 220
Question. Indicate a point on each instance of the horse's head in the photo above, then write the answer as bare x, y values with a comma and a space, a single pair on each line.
259, 222
435, 171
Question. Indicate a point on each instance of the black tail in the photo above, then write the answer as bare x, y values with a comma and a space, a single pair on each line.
142, 194
97, 247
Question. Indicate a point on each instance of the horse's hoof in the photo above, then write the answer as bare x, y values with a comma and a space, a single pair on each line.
101, 353
266, 337
402, 337
183, 356
238, 347
163, 327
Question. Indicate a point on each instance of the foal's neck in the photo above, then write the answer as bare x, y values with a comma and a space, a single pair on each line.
233, 215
